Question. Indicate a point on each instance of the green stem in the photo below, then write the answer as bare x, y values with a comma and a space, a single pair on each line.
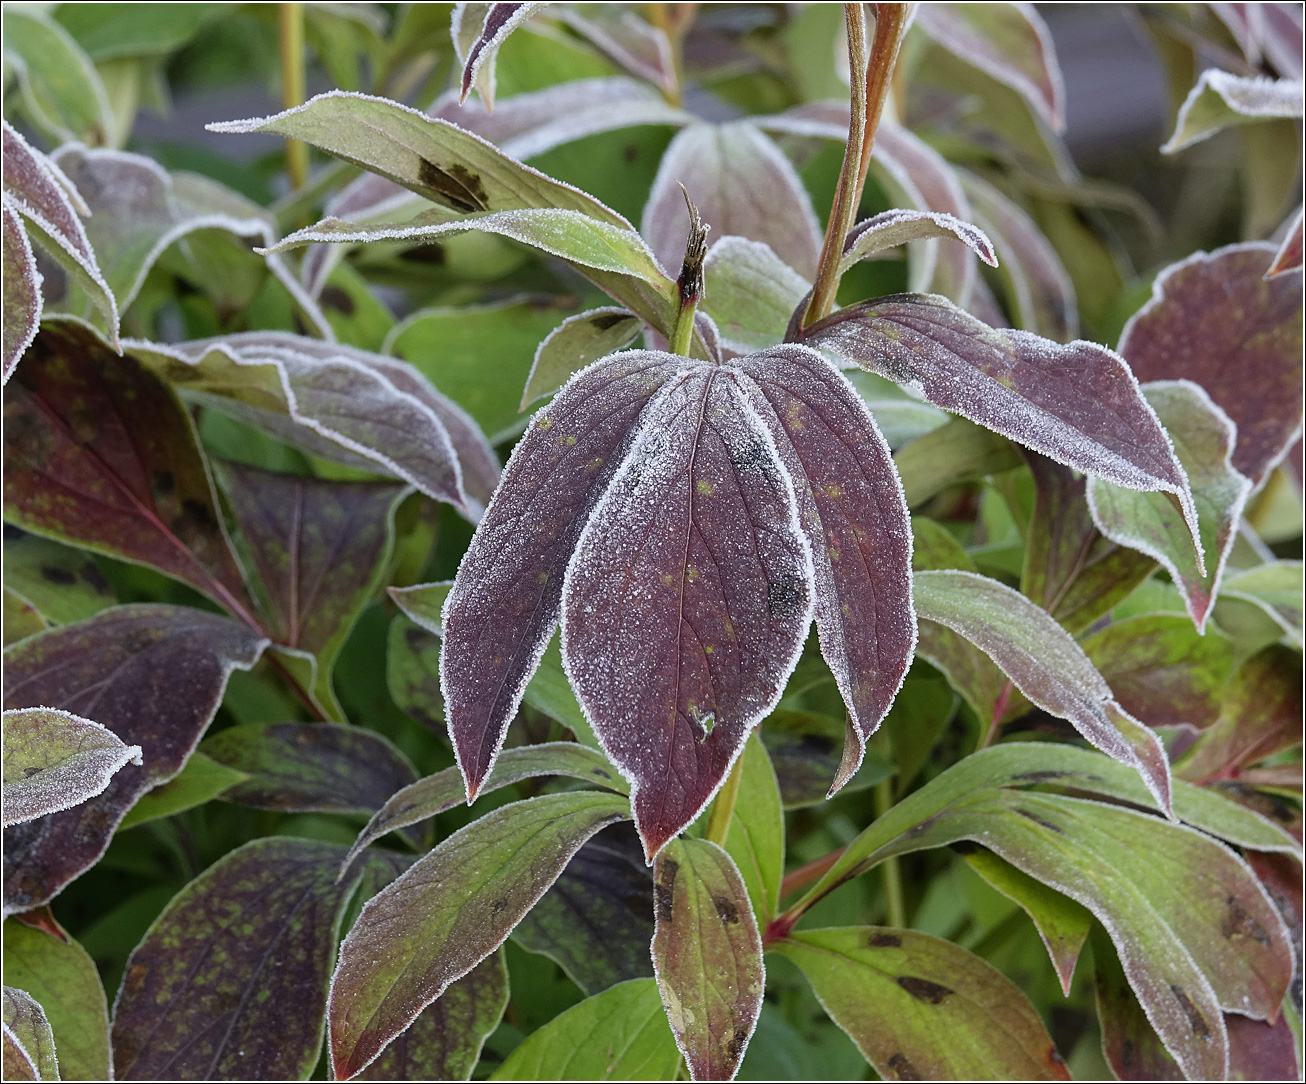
723, 807
895, 909
690, 283
290, 22
872, 80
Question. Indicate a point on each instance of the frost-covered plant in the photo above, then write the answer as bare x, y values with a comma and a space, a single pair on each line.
1055, 588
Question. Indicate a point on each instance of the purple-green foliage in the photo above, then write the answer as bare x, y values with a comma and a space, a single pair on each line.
841, 659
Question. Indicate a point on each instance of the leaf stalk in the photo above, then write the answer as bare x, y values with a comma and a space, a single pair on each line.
290, 25
723, 806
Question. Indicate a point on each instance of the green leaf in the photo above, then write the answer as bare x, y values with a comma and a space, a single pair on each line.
957, 452
1044, 663
61, 91
63, 979
920, 1008
1162, 671
1276, 589
448, 912
1062, 923
434, 794
1132, 1049
201, 780
1221, 98
231, 979
756, 836
412, 667
1204, 439
804, 748
62, 584
899, 227
707, 954
620, 1034
28, 1041
444, 1042
574, 344
456, 347
458, 170
310, 767
54, 760
22, 290
107, 31
750, 292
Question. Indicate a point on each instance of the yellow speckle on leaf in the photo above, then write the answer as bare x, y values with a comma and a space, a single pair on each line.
705, 487
545, 423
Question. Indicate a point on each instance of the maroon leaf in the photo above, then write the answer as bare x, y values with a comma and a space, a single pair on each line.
317, 550
688, 599
1261, 1051
478, 31
311, 767
639, 47
1260, 715
108, 667
1289, 256
505, 602
742, 184
1078, 404
1162, 670
22, 290
854, 516
1071, 570
447, 913
444, 1042
101, 453
596, 921
707, 954
1132, 1048
230, 983
1214, 319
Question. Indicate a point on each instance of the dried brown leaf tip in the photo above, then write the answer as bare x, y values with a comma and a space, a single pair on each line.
691, 270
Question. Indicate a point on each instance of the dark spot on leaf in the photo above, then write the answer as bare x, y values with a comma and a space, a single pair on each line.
1195, 1019
1040, 821
924, 826
785, 596
60, 576
30, 771
163, 484
91, 574
903, 1069
924, 989
460, 187
630, 152
1041, 777
605, 320
664, 890
754, 456
497, 908
1127, 1053
884, 940
726, 911
735, 1047
819, 744
333, 297
1238, 923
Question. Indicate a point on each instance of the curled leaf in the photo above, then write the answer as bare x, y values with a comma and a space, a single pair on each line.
893, 228
22, 290
1221, 98
478, 30
575, 343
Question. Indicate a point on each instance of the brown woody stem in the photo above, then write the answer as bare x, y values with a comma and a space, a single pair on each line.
872, 80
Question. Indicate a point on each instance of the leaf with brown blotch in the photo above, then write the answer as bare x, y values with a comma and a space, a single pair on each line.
100, 452
1009, 42
1070, 568
54, 760
1222, 98
1161, 670
508, 593
742, 185
1078, 404
1038, 288
1289, 256
38, 191
478, 30
1215, 320
107, 667
63, 584
575, 343
339, 403
1132, 1049
898, 993
1203, 438
444, 1042
596, 921
317, 551
1062, 923
435, 793
22, 290
854, 516
1045, 664
29, 1052
310, 767
138, 211
447, 913
1261, 713
707, 954
231, 980
688, 598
